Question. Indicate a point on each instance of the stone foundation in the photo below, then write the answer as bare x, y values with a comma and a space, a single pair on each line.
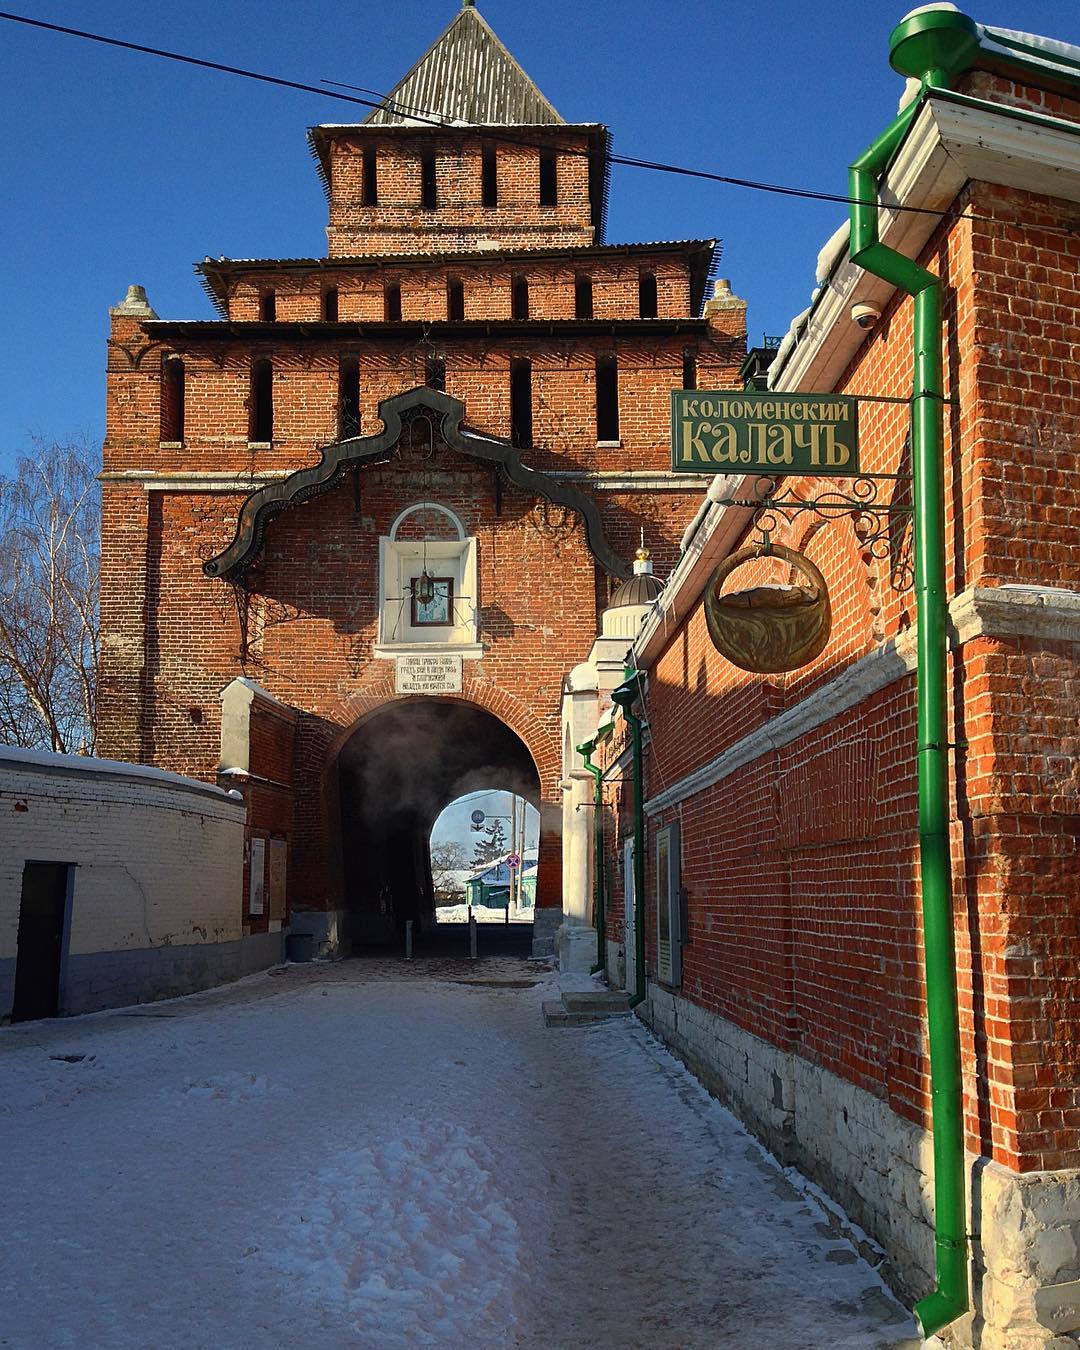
879, 1168
575, 948
96, 980
328, 930
546, 923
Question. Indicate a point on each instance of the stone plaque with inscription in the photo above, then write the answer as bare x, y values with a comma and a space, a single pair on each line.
434, 674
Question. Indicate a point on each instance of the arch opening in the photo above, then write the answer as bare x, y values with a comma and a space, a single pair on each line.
486, 868
396, 773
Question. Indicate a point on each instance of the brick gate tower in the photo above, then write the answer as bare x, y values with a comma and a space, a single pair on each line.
357, 528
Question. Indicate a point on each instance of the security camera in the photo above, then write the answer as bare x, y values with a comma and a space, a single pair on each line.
865, 315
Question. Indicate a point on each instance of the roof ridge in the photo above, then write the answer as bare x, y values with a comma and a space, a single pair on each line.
460, 68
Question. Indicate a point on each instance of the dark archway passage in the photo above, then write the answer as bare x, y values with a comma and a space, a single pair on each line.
397, 771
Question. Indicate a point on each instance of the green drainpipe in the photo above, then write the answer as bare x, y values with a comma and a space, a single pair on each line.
935, 46
585, 750
624, 697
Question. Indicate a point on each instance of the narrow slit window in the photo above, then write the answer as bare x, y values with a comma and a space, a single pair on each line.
392, 303
647, 300
429, 197
489, 177
268, 306
689, 370
330, 304
583, 307
370, 189
549, 177
435, 373
519, 299
455, 300
261, 426
348, 398
172, 399
521, 404
607, 399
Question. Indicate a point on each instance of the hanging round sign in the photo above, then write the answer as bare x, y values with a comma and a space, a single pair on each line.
770, 628
478, 817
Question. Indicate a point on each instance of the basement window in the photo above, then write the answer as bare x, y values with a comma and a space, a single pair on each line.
519, 299
435, 373
268, 306
455, 300
369, 192
392, 303
689, 370
607, 400
330, 304
348, 398
549, 177
583, 306
521, 404
172, 400
261, 417
429, 198
647, 300
489, 177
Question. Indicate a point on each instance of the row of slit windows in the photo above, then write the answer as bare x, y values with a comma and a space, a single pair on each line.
489, 179
455, 300
261, 402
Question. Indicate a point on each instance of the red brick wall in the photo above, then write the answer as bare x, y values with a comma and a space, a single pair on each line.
801, 866
487, 288
398, 223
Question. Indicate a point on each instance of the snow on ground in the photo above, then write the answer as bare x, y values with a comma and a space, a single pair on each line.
481, 913
369, 1155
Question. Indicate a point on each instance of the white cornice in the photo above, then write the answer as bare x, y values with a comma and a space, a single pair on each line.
154, 480
953, 139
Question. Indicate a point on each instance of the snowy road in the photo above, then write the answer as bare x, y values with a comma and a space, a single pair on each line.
334, 1156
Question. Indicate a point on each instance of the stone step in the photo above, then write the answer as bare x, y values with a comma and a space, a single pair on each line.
556, 1015
581, 1009
607, 1001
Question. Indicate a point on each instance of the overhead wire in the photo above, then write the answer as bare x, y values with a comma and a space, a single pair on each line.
427, 117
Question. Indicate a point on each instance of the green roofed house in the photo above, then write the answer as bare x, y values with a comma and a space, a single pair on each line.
488, 886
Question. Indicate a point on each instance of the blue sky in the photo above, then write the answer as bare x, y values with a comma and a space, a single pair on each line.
119, 168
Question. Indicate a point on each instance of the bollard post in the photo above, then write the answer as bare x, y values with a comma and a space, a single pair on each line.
408, 939
472, 938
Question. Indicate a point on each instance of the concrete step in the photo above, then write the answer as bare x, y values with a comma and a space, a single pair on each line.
608, 1001
577, 1009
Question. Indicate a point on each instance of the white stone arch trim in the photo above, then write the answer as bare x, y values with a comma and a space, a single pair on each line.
428, 506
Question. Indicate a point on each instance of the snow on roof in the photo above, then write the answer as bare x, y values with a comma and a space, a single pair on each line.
12, 756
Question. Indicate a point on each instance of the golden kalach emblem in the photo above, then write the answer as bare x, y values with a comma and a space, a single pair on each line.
770, 628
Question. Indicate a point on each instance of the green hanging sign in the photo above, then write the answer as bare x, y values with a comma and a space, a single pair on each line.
729, 431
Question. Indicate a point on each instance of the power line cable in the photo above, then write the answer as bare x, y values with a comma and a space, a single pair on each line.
384, 103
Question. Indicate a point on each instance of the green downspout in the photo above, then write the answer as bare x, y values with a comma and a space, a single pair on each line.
599, 917
624, 698
934, 45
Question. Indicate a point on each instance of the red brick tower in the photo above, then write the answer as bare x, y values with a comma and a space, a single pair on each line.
471, 387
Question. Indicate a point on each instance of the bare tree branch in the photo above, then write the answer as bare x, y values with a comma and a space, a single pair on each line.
49, 638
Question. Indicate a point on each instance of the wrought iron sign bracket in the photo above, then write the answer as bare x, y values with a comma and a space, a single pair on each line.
774, 504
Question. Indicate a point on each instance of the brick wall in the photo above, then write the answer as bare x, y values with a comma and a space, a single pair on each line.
399, 224
801, 862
